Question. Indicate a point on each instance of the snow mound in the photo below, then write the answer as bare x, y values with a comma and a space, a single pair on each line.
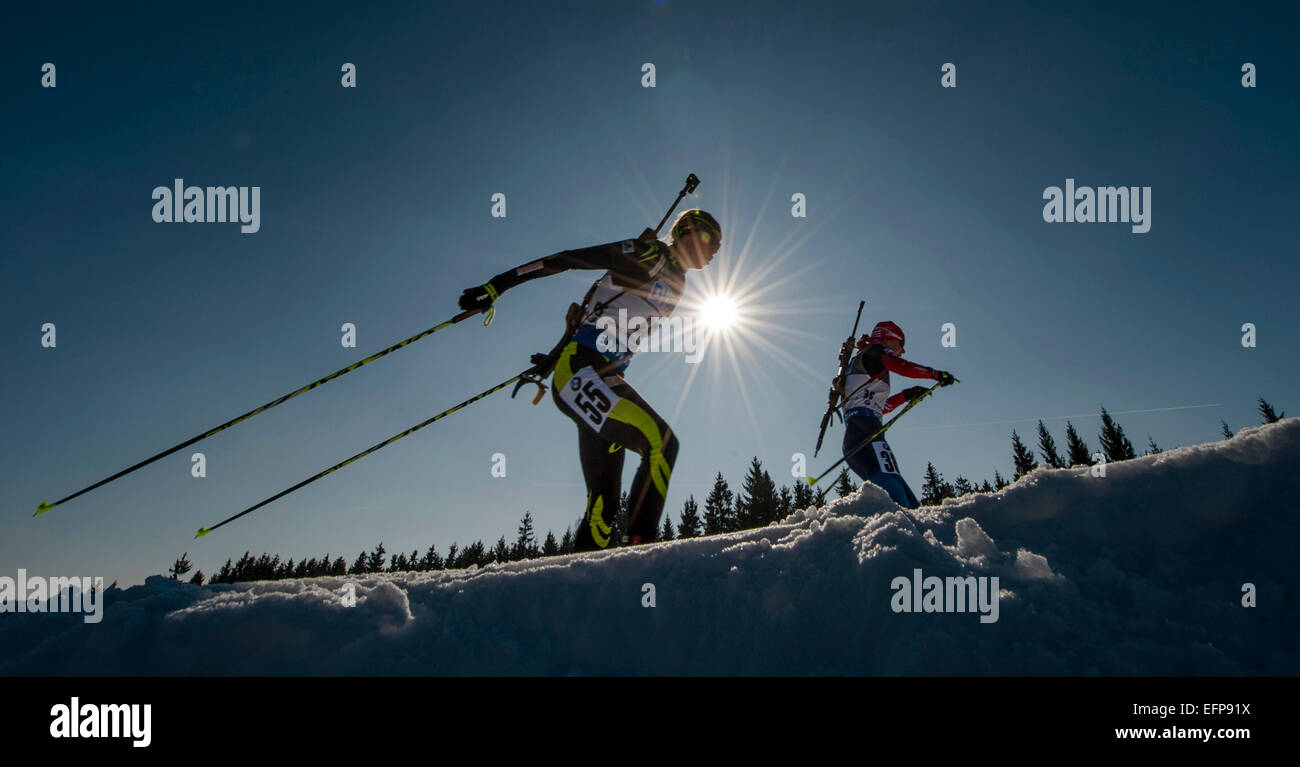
1143, 571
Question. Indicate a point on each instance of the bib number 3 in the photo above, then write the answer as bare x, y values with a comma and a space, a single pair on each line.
885, 458
588, 396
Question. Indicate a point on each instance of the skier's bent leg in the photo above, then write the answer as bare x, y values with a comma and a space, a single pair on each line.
610, 413
650, 487
635, 425
875, 463
602, 468
601, 459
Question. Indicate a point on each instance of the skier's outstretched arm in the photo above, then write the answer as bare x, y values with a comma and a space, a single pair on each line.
631, 260
896, 364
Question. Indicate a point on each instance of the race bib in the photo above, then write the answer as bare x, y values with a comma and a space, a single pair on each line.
885, 458
589, 397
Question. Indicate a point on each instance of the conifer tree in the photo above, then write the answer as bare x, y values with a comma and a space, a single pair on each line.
1076, 450
689, 524
1022, 456
1227, 433
375, 562
501, 552
244, 568
804, 497
1152, 447
526, 541
666, 534
998, 481
180, 566
566, 541
717, 508
962, 486
477, 554
739, 514
843, 485
359, 566
431, 560
784, 503
756, 505
197, 580
985, 487
1047, 448
934, 489
549, 547
1114, 445
1266, 412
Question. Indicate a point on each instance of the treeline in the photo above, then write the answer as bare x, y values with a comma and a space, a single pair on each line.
1114, 443
758, 503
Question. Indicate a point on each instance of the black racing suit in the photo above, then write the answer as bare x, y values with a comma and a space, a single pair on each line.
644, 279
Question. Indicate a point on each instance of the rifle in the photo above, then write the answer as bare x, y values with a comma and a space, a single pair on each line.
846, 354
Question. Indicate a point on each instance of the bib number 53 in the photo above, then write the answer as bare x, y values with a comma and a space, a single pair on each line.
587, 395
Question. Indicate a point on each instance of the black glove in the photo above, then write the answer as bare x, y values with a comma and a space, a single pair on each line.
912, 392
480, 297
944, 377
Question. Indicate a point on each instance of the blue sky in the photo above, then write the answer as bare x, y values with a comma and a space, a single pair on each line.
924, 201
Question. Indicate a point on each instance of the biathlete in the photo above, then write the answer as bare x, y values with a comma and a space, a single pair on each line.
644, 277
865, 398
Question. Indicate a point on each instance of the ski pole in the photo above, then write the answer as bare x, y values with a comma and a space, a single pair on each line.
533, 376
45, 506
872, 438
205, 530
846, 354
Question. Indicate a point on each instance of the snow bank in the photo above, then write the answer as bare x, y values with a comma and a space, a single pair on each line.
1139, 572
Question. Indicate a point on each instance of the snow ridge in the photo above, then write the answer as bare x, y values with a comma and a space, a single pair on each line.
1138, 572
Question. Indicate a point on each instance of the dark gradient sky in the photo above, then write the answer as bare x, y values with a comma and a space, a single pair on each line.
924, 201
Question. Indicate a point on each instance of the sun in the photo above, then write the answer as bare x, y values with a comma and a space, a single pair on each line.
718, 312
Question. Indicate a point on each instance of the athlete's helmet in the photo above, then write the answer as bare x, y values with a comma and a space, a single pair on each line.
697, 220
886, 330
